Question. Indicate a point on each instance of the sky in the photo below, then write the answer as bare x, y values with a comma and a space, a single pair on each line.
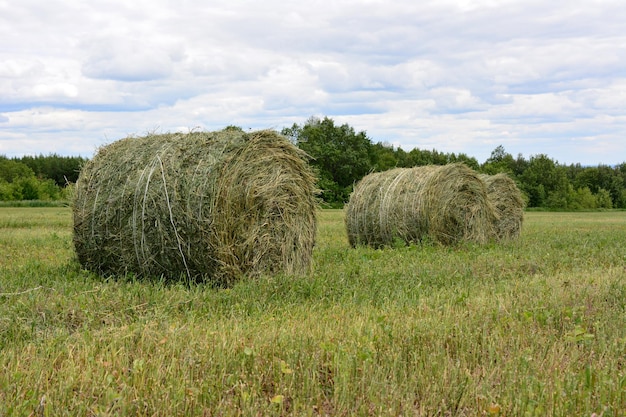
533, 76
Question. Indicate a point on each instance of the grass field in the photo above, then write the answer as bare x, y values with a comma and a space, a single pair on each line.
530, 328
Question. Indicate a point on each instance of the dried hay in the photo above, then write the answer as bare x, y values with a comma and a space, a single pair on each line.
210, 206
446, 204
509, 204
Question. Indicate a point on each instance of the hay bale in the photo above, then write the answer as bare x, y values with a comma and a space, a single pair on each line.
509, 204
204, 205
446, 204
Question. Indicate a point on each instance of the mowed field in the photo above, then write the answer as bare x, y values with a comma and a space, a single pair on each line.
535, 327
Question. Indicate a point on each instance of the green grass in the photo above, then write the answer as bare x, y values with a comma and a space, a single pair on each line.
35, 203
528, 328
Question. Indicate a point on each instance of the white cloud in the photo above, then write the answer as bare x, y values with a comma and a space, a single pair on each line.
57, 90
131, 57
18, 68
453, 100
455, 75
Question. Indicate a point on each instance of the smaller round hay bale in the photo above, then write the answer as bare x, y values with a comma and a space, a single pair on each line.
509, 204
447, 204
210, 206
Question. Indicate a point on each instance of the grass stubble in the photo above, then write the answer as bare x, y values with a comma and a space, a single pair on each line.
530, 328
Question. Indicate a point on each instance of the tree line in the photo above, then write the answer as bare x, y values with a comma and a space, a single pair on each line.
38, 177
341, 157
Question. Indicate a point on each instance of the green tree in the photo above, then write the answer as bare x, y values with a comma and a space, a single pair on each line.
604, 199
49, 190
580, 199
340, 155
18, 182
6, 191
420, 157
499, 161
11, 171
598, 178
28, 188
545, 183
470, 161
61, 169
383, 157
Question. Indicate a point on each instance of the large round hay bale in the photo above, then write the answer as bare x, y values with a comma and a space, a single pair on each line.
509, 204
445, 204
210, 206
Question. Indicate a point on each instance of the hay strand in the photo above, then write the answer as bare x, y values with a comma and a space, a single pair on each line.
208, 206
509, 204
446, 204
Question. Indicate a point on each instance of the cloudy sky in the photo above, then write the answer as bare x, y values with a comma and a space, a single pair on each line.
534, 76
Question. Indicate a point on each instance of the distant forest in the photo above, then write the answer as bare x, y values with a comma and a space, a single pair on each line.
341, 157
43, 177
